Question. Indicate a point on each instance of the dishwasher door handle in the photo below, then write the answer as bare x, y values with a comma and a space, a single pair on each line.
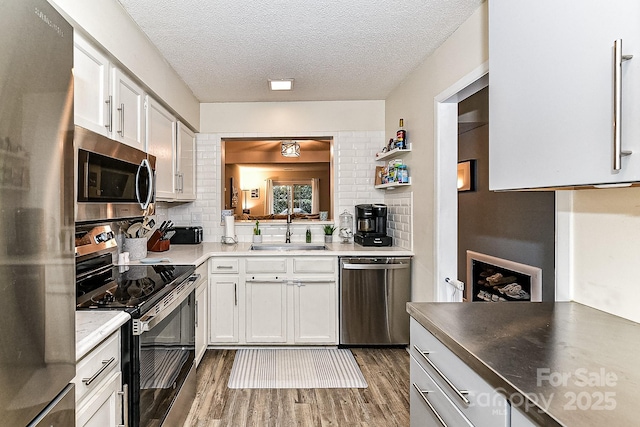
375, 266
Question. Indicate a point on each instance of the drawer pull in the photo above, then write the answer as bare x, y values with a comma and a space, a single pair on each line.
224, 267
456, 390
423, 395
105, 365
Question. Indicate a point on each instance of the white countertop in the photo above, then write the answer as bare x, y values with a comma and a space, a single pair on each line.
197, 254
94, 326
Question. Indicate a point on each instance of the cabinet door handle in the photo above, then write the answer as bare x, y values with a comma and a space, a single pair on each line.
109, 124
121, 110
125, 408
456, 390
618, 59
196, 314
235, 294
423, 395
92, 378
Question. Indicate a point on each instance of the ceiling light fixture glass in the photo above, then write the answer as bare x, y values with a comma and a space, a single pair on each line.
281, 84
290, 149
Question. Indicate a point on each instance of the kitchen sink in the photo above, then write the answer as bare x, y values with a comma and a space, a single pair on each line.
288, 247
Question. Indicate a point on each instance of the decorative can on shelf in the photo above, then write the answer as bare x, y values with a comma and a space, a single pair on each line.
346, 227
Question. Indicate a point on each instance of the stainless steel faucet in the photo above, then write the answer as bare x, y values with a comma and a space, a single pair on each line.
288, 235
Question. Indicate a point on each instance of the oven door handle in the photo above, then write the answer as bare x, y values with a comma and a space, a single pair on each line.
156, 315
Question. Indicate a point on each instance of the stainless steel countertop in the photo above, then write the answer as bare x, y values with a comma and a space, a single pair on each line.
575, 365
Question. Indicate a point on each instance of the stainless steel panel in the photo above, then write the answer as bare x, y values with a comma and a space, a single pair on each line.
373, 295
60, 413
37, 310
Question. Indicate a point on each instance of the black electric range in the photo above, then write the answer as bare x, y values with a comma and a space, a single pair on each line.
161, 301
133, 288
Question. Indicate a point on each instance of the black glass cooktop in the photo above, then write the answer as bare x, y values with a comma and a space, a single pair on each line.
131, 287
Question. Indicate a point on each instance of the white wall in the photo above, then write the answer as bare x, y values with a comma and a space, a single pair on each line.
413, 100
292, 117
605, 250
110, 26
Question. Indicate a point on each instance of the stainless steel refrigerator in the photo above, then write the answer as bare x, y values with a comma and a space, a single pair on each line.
37, 274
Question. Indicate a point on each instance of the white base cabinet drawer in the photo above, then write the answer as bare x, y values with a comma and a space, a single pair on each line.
223, 265
92, 369
429, 404
475, 398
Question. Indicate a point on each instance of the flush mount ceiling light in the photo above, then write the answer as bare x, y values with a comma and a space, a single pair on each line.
281, 84
290, 149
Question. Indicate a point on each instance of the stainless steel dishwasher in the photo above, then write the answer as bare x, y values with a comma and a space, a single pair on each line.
373, 297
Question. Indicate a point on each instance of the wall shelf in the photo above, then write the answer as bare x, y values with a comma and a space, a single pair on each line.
396, 152
392, 185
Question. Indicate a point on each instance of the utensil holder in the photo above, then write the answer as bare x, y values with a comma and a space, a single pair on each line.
137, 247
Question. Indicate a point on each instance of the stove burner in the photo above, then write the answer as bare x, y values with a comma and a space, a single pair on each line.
107, 298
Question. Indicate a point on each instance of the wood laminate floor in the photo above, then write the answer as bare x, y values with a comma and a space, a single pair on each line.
384, 403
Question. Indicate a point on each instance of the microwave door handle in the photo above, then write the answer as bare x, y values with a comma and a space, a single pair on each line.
85, 187
145, 163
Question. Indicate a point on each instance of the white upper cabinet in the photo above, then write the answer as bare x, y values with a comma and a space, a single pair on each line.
174, 146
106, 100
552, 93
161, 143
128, 111
186, 163
91, 87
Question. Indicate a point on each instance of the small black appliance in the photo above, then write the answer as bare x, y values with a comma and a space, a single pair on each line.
187, 235
371, 225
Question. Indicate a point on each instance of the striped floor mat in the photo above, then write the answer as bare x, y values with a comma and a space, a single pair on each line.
295, 368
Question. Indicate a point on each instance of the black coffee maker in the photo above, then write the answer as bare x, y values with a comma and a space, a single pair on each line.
371, 225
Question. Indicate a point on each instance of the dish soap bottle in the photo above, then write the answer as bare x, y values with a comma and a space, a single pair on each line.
308, 235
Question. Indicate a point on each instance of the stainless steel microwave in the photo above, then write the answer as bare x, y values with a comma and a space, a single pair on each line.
113, 180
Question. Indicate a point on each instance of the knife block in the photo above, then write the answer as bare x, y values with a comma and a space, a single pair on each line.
155, 244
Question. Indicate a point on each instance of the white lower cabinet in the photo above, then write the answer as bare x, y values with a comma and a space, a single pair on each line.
429, 405
100, 397
519, 419
315, 311
202, 304
223, 309
262, 300
104, 407
266, 310
477, 402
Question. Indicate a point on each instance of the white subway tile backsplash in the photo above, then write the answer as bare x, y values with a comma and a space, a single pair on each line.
354, 177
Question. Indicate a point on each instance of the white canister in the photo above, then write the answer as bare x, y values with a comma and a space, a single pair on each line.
137, 247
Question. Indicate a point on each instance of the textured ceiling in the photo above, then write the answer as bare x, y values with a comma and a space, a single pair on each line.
226, 50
